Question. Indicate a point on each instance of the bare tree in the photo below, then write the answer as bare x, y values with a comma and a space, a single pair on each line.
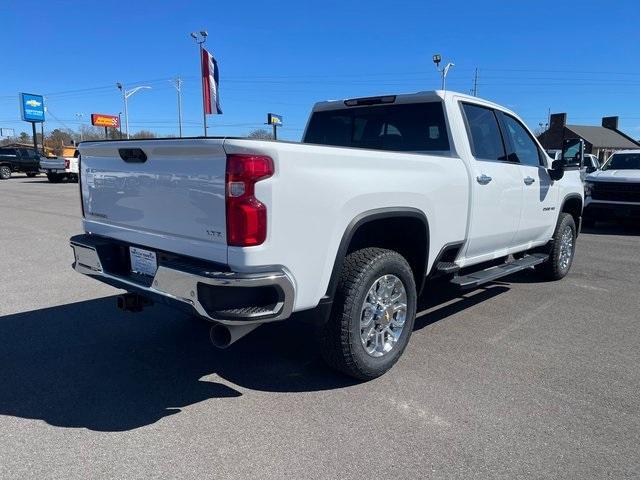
91, 133
261, 134
59, 138
144, 134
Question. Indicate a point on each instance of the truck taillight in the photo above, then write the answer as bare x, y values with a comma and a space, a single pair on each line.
66, 163
246, 215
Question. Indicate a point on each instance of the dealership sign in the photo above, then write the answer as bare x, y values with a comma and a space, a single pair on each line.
273, 119
101, 120
32, 107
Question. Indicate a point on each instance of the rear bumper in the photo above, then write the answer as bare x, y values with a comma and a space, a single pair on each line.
52, 170
231, 298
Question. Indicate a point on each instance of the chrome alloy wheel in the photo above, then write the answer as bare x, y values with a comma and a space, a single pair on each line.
383, 315
566, 248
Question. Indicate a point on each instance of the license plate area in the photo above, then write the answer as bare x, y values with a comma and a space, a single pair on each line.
143, 262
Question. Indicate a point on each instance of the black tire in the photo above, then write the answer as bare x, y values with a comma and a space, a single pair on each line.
5, 172
339, 338
54, 177
554, 269
31, 174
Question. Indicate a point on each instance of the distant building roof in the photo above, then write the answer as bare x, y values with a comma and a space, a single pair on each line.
598, 138
602, 137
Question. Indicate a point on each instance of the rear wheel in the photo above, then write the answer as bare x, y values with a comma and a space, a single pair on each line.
54, 177
373, 314
5, 172
561, 249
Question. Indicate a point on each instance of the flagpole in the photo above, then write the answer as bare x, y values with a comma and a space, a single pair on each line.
201, 37
204, 111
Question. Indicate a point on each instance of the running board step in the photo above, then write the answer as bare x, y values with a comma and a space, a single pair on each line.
475, 279
447, 267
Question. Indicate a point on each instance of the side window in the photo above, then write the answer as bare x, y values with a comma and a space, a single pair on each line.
485, 137
524, 147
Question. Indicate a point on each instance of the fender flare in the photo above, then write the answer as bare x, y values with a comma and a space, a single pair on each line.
568, 197
367, 217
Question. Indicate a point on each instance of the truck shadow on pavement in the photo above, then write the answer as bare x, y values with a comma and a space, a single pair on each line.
88, 365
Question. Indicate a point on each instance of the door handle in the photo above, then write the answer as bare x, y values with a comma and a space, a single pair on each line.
483, 179
529, 180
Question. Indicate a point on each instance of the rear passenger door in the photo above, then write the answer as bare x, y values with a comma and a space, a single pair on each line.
496, 187
537, 220
29, 159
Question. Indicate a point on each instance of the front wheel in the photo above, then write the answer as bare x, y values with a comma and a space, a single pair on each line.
561, 249
5, 172
373, 314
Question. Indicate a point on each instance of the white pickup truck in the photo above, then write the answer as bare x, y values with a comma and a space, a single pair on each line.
60, 168
382, 195
613, 192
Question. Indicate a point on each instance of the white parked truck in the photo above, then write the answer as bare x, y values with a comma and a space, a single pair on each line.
382, 195
61, 168
613, 192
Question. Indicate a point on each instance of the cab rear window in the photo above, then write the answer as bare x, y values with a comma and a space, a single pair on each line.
414, 127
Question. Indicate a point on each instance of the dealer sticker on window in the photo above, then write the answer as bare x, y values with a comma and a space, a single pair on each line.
143, 261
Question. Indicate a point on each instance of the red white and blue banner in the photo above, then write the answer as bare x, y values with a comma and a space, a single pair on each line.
210, 82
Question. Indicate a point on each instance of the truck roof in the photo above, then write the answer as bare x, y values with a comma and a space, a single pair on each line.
417, 97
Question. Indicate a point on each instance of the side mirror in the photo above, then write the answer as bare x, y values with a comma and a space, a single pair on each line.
556, 172
591, 169
573, 151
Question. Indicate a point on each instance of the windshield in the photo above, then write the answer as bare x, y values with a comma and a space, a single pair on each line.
623, 161
411, 127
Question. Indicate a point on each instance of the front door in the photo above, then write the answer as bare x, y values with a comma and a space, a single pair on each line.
539, 192
497, 188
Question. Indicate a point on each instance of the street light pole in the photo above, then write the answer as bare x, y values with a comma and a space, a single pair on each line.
437, 58
201, 37
125, 96
79, 117
177, 83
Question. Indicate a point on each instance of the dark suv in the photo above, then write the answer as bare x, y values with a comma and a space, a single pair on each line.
25, 160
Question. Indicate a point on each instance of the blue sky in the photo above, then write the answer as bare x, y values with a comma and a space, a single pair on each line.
282, 56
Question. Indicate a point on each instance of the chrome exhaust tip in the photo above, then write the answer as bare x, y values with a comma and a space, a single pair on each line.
222, 336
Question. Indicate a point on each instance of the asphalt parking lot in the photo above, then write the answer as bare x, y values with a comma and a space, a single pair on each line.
520, 379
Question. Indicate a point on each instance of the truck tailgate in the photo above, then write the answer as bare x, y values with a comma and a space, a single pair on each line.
52, 163
174, 200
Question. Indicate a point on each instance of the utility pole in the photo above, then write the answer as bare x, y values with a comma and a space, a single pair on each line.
177, 83
475, 83
42, 132
42, 137
201, 37
120, 124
